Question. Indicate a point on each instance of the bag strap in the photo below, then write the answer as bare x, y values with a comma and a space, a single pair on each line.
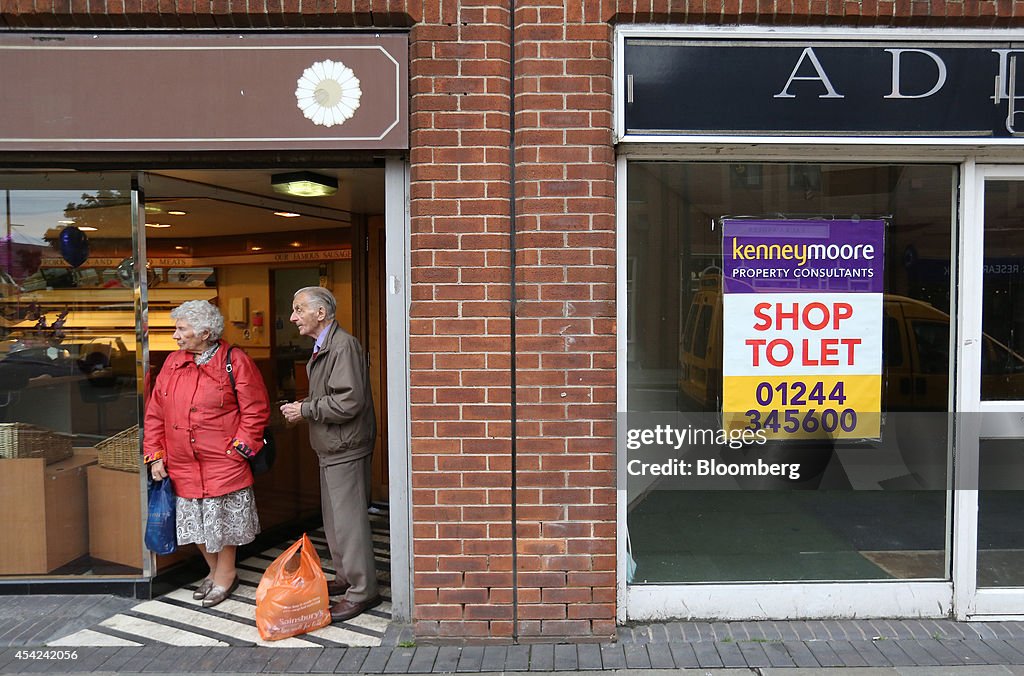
231, 373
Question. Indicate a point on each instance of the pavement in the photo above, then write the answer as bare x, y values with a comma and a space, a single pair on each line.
104, 634
35, 629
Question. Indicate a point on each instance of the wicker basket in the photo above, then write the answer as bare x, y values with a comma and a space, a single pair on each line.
21, 440
121, 451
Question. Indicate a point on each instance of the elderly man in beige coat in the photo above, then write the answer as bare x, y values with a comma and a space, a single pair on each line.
342, 431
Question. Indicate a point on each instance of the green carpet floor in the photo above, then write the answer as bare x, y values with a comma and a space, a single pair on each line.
710, 536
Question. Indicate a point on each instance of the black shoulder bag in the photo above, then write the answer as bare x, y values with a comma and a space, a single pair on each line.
264, 460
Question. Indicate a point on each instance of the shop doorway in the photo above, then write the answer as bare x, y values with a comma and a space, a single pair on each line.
229, 237
988, 574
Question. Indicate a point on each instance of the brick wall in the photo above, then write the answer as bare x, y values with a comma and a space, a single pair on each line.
565, 397
459, 322
565, 320
465, 583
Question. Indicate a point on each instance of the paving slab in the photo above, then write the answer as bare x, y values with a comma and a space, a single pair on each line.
636, 656
376, 660
684, 656
566, 657
471, 659
518, 658
613, 656
423, 658
542, 657
588, 656
870, 653
777, 654
707, 654
447, 658
660, 656
892, 651
352, 660
753, 654
399, 661
327, 662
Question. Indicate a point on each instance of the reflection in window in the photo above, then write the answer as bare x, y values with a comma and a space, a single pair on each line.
932, 341
893, 355
1002, 366
67, 377
819, 529
700, 343
1000, 501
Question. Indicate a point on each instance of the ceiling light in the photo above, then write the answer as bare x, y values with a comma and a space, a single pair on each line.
295, 244
179, 248
157, 225
287, 214
256, 248
87, 228
66, 222
304, 184
151, 209
177, 212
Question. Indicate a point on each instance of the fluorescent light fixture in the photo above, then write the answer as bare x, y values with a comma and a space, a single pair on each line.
177, 212
66, 222
87, 228
304, 184
287, 214
256, 248
157, 225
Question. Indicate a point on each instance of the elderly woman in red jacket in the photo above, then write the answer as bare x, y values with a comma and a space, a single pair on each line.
198, 433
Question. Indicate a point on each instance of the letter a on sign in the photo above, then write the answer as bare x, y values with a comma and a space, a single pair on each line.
808, 53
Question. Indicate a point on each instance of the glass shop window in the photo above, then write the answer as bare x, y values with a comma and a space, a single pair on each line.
69, 478
835, 521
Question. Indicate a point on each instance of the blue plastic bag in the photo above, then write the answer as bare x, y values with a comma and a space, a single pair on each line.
161, 529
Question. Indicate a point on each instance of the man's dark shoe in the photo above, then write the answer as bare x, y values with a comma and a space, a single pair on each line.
336, 588
346, 610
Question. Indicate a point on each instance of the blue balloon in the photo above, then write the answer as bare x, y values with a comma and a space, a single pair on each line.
74, 246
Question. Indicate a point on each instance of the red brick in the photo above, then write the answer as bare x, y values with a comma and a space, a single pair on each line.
541, 612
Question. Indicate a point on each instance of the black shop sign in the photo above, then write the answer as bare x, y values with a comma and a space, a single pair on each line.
838, 88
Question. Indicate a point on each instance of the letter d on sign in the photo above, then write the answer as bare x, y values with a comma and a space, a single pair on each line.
897, 56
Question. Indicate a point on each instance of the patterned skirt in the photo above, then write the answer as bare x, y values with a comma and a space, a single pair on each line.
218, 522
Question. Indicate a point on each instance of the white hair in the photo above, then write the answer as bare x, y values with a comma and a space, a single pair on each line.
202, 315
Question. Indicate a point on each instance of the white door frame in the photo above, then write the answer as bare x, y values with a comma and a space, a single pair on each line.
970, 602
397, 246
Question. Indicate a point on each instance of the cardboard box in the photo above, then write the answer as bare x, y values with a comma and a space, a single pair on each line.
115, 516
45, 522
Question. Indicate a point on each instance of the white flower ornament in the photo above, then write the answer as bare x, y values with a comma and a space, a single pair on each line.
328, 93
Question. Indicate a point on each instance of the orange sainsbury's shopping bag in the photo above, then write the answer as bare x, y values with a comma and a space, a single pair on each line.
292, 596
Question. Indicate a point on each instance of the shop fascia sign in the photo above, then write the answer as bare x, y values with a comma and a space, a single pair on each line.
204, 91
822, 87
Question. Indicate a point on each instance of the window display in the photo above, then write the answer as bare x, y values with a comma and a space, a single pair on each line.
67, 373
